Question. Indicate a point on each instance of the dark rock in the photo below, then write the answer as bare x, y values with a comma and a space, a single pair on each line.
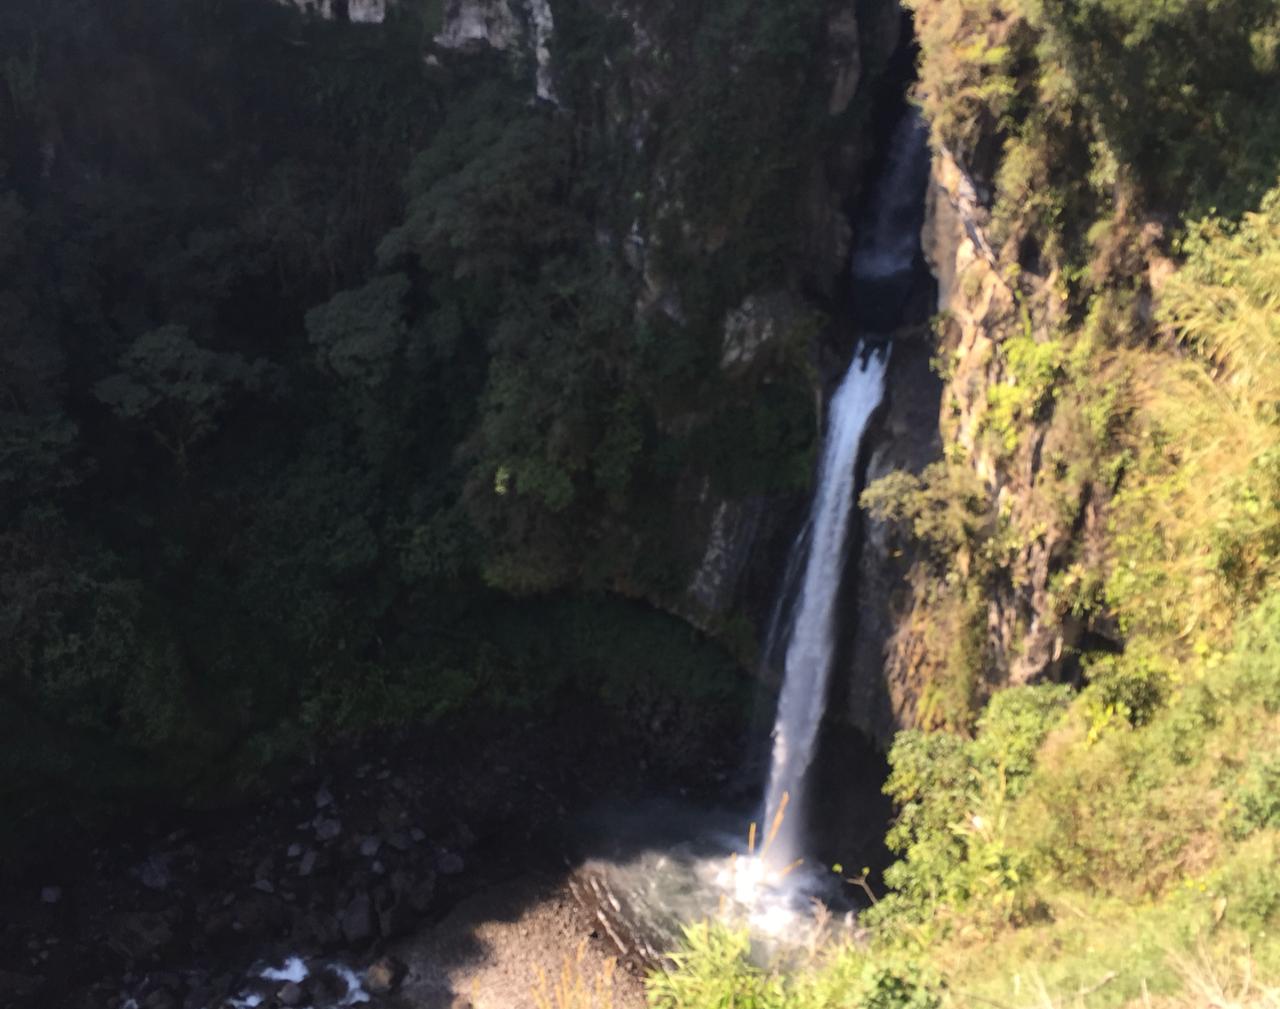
161, 998
400, 884
421, 891
154, 873
51, 894
258, 914
903, 438
328, 830
449, 863
329, 986
201, 996
396, 916
139, 934
357, 919
166, 979
315, 928
392, 815
324, 797
290, 994
16, 986
308, 863
385, 975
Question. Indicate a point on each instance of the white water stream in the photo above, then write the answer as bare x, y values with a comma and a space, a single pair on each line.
889, 238
813, 634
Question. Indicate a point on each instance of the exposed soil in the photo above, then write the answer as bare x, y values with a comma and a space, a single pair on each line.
506, 946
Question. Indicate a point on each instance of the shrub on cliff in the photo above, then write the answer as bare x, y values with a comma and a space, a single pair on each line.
954, 797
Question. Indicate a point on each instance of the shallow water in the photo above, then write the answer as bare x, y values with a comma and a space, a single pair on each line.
669, 866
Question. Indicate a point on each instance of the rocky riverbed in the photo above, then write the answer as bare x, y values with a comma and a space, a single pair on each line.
348, 858
505, 946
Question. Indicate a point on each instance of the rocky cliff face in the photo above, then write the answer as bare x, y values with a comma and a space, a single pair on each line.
520, 27
356, 11
673, 221
739, 543
980, 306
989, 615
877, 694
748, 541
890, 656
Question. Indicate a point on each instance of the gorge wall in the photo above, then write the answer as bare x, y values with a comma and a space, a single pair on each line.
904, 646
791, 326
690, 238
783, 320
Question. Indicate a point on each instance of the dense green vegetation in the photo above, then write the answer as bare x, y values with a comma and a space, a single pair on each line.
329, 397
1114, 841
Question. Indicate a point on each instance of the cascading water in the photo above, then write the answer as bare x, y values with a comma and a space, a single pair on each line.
813, 633
889, 239
882, 270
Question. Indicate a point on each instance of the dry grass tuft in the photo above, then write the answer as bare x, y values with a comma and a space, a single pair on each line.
1210, 984
573, 989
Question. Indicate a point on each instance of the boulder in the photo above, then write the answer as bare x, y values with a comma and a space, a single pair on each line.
473, 24
357, 919
449, 863
385, 976
328, 830
139, 934
161, 998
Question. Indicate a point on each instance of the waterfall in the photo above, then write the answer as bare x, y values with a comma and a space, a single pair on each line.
889, 235
813, 633
882, 268
543, 31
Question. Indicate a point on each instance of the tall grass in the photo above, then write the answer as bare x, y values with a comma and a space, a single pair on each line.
576, 986
1197, 524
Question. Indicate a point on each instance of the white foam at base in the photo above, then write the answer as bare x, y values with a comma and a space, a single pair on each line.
293, 970
355, 990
